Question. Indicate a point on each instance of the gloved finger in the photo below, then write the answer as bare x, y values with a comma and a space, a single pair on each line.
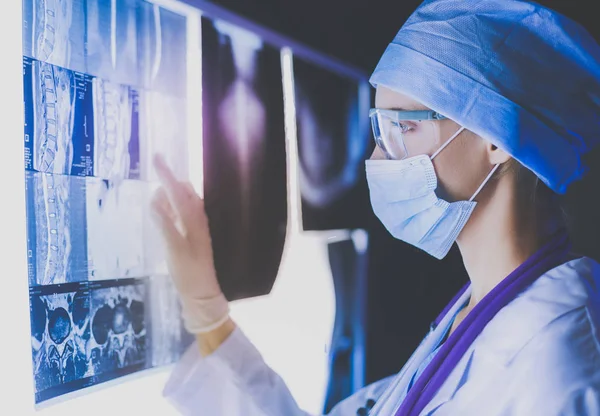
161, 198
177, 192
189, 190
167, 225
198, 231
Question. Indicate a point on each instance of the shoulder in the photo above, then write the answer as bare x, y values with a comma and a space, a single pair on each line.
559, 314
546, 342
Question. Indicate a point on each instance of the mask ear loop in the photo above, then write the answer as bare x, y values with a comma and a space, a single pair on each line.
484, 182
442, 147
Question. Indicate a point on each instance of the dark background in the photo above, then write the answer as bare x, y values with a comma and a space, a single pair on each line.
407, 288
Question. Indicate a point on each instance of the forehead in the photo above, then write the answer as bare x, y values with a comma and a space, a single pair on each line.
388, 99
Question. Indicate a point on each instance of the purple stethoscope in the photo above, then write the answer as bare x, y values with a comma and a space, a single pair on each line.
554, 253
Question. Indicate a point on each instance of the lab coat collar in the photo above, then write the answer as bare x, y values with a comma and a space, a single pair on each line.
569, 286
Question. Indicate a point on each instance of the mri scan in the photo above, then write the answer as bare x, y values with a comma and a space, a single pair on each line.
60, 337
56, 230
104, 86
112, 40
54, 32
59, 120
118, 342
163, 130
162, 49
116, 131
169, 337
114, 228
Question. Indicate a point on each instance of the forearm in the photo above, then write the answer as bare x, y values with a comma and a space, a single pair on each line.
209, 342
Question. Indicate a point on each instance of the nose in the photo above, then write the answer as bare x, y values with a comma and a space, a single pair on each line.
377, 154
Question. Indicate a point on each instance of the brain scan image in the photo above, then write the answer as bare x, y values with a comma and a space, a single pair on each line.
59, 124
118, 326
332, 147
245, 175
162, 49
116, 134
56, 234
111, 53
60, 336
54, 32
114, 215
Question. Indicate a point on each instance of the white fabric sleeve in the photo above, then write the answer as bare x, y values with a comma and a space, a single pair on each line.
233, 380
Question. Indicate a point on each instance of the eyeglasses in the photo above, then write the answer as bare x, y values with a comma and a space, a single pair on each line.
389, 129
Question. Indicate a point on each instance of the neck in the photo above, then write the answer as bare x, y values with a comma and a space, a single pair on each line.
501, 234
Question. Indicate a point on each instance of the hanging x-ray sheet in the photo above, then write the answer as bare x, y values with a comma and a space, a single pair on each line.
87, 333
54, 32
76, 124
162, 49
115, 218
163, 130
332, 147
112, 40
116, 131
60, 338
56, 228
244, 157
169, 337
104, 87
59, 119
118, 342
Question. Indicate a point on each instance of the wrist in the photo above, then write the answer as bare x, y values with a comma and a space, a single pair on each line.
209, 342
204, 315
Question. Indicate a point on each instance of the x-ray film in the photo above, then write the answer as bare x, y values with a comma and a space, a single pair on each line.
116, 131
112, 41
332, 146
244, 156
60, 337
54, 32
162, 49
59, 125
114, 215
56, 233
163, 129
155, 260
87, 333
118, 342
166, 330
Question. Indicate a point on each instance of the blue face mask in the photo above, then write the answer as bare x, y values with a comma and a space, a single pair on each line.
403, 198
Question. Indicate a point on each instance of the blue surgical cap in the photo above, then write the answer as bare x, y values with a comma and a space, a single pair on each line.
521, 76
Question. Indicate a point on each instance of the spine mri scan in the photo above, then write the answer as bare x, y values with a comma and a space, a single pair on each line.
104, 89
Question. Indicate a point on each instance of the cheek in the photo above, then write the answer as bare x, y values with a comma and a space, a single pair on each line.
460, 169
377, 154
424, 140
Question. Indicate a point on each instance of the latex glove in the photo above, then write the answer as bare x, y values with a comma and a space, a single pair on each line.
182, 218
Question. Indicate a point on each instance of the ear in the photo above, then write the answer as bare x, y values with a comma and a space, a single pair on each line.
497, 155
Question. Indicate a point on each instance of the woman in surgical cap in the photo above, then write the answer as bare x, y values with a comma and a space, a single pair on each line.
484, 112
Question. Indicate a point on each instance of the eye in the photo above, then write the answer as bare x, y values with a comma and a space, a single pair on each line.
404, 128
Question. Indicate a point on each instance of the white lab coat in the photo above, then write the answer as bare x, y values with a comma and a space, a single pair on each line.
540, 355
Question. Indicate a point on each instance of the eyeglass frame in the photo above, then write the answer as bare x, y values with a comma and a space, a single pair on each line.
401, 115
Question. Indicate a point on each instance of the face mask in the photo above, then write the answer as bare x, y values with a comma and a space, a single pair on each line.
403, 198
